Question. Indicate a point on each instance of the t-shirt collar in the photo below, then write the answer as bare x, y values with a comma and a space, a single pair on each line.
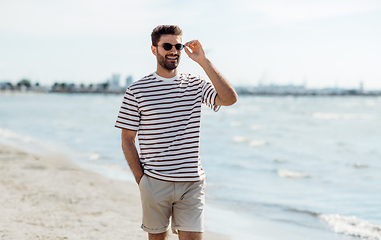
167, 80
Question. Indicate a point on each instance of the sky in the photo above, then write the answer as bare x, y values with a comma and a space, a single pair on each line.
325, 43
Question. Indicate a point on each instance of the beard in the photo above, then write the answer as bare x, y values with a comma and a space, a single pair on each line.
165, 63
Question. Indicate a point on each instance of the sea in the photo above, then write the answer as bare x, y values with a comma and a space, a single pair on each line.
277, 167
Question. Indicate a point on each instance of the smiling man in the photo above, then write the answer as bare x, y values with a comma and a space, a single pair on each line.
164, 109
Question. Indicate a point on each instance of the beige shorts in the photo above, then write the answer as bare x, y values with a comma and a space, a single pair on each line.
184, 201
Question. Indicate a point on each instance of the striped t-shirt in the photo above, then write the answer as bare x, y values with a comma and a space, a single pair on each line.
166, 113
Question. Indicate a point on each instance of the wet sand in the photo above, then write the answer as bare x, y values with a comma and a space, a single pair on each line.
46, 197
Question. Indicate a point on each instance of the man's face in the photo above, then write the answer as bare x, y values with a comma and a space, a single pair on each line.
168, 59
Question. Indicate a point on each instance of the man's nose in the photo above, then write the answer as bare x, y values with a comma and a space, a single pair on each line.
173, 49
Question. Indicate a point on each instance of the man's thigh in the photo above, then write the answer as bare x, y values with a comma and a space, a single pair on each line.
188, 209
156, 204
160, 200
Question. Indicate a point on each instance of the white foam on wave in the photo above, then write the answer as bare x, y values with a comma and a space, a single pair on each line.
240, 139
8, 134
236, 124
359, 165
113, 171
257, 127
341, 116
252, 143
291, 174
94, 156
351, 225
371, 103
27, 143
257, 143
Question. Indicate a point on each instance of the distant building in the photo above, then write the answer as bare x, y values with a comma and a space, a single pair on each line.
114, 83
129, 81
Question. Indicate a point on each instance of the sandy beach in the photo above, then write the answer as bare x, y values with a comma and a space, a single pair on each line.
45, 197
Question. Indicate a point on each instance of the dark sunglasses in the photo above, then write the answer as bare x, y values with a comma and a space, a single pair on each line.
168, 46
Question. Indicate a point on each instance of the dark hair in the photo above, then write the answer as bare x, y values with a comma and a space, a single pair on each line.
164, 30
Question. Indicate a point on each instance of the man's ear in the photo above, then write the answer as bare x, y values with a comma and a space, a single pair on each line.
153, 49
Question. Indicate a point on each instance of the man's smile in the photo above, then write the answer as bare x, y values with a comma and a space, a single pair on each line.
172, 58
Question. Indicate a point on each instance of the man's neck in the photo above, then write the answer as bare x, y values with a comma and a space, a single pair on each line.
165, 73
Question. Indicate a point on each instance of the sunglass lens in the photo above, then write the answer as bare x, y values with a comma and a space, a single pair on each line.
167, 46
179, 46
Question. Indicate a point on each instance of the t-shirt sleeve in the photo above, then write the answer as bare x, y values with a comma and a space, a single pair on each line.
209, 95
129, 115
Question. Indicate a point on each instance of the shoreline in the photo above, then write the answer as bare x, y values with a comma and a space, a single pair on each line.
375, 93
45, 197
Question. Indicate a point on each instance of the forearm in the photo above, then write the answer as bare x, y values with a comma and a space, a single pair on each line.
132, 157
226, 93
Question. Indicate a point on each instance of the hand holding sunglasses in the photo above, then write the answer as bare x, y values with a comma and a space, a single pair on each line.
195, 51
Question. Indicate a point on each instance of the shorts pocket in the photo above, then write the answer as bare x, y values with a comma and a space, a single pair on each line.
141, 180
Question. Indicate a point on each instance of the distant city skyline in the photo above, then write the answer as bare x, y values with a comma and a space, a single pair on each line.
323, 44
113, 86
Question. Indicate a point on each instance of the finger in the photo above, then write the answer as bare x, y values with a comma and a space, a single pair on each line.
187, 50
190, 43
195, 44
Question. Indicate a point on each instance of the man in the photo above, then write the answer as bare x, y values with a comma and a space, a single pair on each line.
164, 108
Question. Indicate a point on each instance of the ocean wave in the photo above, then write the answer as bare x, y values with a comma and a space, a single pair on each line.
240, 139
371, 103
257, 143
236, 124
303, 211
252, 143
94, 156
278, 160
257, 127
8, 134
360, 165
351, 225
291, 174
341, 116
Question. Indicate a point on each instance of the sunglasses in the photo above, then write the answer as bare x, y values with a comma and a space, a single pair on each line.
168, 46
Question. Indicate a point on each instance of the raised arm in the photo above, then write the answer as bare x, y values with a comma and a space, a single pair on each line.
226, 94
131, 153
